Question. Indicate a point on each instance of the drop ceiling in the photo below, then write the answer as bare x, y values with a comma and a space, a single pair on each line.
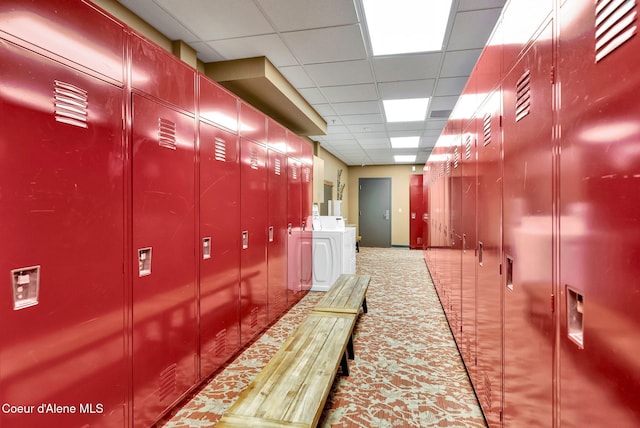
321, 47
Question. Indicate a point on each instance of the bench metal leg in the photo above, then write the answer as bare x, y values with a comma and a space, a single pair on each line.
350, 347
344, 363
364, 305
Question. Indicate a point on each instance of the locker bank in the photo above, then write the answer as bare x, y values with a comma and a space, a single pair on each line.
156, 216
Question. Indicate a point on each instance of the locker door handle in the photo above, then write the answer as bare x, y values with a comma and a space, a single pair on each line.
270, 233
245, 239
386, 214
206, 248
289, 229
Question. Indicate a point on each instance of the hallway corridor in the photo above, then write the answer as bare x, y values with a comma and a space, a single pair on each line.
407, 370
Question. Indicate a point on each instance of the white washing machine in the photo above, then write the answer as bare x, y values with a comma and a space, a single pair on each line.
334, 251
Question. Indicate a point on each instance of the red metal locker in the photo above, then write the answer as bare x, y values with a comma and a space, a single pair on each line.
294, 239
217, 105
487, 138
527, 238
62, 225
253, 225
219, 222
455, 242
599, 292
253, 124
164, 286
468, 348
76, 31
277, 234
416, 209
306, 150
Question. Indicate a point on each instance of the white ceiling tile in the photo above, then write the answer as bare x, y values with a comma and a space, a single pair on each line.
205, 53
480, 4
220, 19
297, 76
406, 67
268, 45
450, 86
459, 63
290, 15
443, 103
435, 124
340, 73
313, 96
409, 128
362, 119
406, 89
323, 110
362, 107
162, 21
326, 44
472, 29
368, 129
346, 93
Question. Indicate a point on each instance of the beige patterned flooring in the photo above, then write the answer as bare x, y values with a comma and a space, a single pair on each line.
407, 370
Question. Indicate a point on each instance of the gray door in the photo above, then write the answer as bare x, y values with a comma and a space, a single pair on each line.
375, 212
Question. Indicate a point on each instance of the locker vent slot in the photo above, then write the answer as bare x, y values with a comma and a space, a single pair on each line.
254, 318
220, 344
523, 96
467, 148
487, 129
441, 169
456, 156
615, 24
70, 104
168, 385
166, 134
487, 393
294, 172
448, 165
277, 168
253, 162
307, 175
220, 150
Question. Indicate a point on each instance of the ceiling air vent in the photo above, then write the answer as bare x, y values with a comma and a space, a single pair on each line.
615, 24
220, 150
70, 104
440, 114
166, 134
523, 96
487, 129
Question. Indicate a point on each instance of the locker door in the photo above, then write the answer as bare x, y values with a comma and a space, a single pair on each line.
294, 221
488, 257
220, 247
527, 239
599, 224
307, 232
469, 241
62, 229
253, 256
416, 207
164, 287
277, 234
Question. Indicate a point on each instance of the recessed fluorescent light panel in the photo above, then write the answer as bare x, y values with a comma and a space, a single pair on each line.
404, 158
403, 26
408, 110
404, 142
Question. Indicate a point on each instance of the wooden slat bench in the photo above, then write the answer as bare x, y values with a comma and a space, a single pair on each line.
292, 388
346, 295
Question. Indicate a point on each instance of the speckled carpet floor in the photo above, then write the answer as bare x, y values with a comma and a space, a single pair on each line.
407, 371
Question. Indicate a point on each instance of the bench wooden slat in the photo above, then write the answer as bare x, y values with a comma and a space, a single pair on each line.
346, 295
294, 385
239, 421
